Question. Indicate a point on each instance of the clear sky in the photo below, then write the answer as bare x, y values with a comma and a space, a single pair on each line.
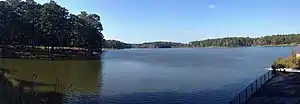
137, 21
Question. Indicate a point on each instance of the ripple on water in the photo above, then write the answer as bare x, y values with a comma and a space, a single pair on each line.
211, 97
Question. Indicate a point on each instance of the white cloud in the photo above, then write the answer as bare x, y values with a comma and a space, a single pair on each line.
211, 6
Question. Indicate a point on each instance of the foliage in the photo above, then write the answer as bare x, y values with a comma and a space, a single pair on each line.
28, 23
159, 44
290, 62
279, 39
114, 44
288, 39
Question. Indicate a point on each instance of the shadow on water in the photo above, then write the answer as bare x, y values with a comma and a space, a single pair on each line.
49, 82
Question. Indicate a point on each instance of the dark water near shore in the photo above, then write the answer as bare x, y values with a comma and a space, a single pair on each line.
79, 81
153, 76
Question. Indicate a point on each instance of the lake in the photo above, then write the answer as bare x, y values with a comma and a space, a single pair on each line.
153, 76
78, 80
183, 76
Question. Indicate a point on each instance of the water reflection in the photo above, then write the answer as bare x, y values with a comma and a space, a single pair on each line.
52, 81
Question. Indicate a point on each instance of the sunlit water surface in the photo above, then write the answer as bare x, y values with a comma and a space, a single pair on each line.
182, 76
153, 76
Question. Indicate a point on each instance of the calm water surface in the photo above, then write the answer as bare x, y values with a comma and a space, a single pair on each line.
187, 76
153, 76
78, 80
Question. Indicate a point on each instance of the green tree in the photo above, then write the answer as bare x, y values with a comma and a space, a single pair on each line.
26, 24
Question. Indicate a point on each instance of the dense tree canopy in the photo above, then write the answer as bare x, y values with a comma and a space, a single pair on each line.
158, 45
28, 23
246, 41
115, 44
289, 39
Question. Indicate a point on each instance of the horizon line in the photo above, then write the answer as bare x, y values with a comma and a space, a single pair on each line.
203, 39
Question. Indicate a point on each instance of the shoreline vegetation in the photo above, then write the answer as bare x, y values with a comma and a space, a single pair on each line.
42, 53
29, 30
35, 32
278, 40
292, 61
26, 26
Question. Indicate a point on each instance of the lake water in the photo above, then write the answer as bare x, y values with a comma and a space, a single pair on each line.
152, 76
182, 76
79, 81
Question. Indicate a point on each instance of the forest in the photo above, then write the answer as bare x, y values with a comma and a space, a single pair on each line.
115, 44
158, 44
274, 40
28, 25
280, 39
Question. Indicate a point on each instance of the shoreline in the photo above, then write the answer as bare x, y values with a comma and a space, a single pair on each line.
47, 54
281, 45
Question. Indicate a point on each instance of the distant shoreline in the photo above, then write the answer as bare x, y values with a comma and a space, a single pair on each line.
226, 42
279, 45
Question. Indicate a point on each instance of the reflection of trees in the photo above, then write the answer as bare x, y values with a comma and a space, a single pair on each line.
17, 91
56, 78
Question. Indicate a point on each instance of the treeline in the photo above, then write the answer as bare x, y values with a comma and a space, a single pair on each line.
288, 39
281, 39
158, 45
27, 23
114, 44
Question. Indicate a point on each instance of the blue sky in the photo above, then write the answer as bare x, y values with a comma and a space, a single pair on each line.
137, 21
